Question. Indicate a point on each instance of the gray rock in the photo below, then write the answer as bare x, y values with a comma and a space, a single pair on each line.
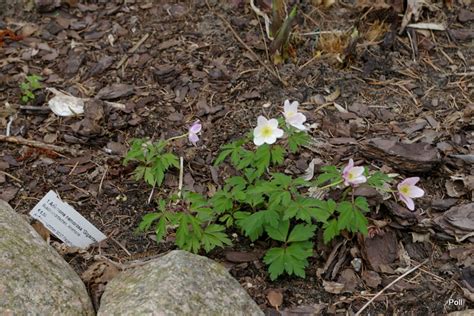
179, 283
34, 278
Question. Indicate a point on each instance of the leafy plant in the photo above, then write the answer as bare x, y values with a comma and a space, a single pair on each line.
27, 87
153, 161
153, 158
194, 220
264, 203
280, 45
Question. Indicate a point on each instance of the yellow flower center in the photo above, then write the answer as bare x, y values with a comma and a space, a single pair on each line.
405, 189
266, 131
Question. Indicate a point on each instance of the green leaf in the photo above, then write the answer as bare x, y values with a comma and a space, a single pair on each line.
279, 198
362, 204
378, 179
147, 220
262, 159
250, 174
246, 158
324, 209
277, 155
252, 224
237, 181
291, 260
280, 232
139, 172
222, 156
24, 86
281, 180
149, 176
222, 201
330, 174
160, 230
302, 232
275, 258
351, 219
214, 236
233, 149
306, 209
344, 207
169, 159
189, 233
297, 139
330, 231
196, 200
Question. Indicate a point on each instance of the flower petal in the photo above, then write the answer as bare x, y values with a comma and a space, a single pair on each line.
193, 138
294, 106
415, 192
301, 127
410, 181
348, 168
357, 171
408, 202
359, 180
258, 140
278, 133
300, 117
273, 123
286, 106
271, 139
195, 128
261, 120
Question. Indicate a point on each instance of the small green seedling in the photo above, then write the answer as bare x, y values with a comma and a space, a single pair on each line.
27, 87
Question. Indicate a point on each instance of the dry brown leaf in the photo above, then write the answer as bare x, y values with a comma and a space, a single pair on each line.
376, 31
42, 231
333, 287
334, 95
275, 298
371, 278
377, 4
414, 8
99, 272
325, 3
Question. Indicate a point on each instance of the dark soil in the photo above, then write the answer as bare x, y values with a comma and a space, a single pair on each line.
413, 89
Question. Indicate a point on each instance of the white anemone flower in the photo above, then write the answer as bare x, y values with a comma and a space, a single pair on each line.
407, 191
292, 116
267, 131
353, 175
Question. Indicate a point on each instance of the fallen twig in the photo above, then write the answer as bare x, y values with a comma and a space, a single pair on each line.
10, 176
132, 50
227, 24
43, 109
388, 286
38, 144
102, 179
264, 16
181, 173
428, 26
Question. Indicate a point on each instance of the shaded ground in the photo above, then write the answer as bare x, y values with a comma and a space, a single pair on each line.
412, 89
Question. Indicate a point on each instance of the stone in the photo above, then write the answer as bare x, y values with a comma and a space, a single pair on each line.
34, 278
179, 283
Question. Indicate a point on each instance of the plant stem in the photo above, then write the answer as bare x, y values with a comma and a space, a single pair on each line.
331, 185
176, 137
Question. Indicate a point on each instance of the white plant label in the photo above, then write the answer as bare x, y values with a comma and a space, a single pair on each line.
65, 222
